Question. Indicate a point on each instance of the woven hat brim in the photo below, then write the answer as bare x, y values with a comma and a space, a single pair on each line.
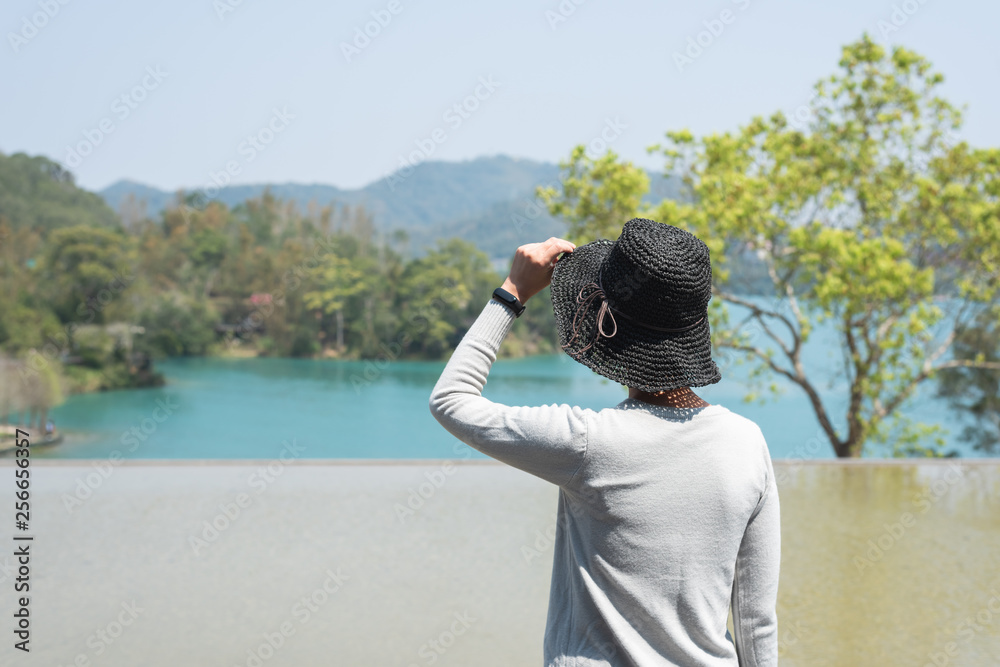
635, 356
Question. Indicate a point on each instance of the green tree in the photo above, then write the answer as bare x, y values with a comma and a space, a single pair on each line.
177, 326
23, 327
436, 293
975, 391
597, 194
37, 193
336, 280
869, 214
85, 269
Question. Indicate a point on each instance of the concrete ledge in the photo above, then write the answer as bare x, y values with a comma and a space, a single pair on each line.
790, 463
408, 562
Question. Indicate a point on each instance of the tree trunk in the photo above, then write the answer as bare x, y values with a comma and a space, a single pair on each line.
340, 330
370, 315
847, 449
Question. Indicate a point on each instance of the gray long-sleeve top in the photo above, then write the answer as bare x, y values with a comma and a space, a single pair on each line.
666, 517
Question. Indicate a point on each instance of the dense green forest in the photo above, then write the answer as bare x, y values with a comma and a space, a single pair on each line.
87, 303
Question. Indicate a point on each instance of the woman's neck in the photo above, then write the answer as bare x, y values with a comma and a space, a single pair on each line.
682, 397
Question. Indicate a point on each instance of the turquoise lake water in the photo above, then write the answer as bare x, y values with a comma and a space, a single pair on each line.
250, 408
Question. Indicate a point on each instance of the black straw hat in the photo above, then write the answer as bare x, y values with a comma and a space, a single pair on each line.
635, 310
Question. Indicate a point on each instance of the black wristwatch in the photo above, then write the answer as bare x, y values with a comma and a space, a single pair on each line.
509, 300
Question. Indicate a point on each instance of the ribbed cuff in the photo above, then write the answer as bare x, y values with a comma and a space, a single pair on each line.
493, 323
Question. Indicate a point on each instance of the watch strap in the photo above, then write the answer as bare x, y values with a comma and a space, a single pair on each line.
509, 300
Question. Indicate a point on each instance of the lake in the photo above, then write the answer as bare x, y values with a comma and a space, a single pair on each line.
251, 408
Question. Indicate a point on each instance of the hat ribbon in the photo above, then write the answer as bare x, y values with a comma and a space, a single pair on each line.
585, 302
606, 310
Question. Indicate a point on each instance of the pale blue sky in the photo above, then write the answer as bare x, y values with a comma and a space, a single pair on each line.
224, 78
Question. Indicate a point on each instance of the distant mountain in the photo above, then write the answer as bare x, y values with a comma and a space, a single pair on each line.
498, 230
487, 200
436, 193
152, 199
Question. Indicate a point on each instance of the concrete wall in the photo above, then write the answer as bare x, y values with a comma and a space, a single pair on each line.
892, 563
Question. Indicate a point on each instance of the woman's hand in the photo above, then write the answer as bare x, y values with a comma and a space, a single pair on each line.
531, 270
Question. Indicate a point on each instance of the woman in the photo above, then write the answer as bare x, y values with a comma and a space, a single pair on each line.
668, 511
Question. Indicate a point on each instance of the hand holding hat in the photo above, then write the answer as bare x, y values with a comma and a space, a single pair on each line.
531, 269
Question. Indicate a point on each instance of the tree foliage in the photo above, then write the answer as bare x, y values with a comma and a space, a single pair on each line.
975, 391
597, 194
871, 214
95, 301
82, 267
37, 193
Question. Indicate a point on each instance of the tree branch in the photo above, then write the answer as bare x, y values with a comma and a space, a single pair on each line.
814, 398
969, 363
757, 310
925, 371
793, 304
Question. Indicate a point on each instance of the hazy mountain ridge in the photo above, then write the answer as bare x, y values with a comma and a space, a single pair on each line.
489, 201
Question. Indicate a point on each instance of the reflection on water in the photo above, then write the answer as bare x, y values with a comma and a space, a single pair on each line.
890, 564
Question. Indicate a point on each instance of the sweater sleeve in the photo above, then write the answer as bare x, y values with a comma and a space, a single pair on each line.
549, 442
755, 586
